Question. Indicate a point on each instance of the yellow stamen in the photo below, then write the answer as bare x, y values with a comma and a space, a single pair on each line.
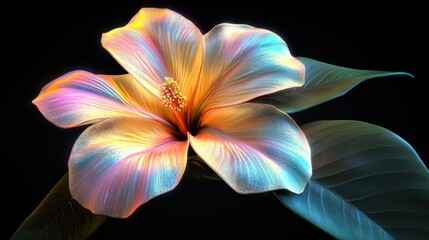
171, 95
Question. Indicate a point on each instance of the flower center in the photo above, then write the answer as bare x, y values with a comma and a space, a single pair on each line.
171, 95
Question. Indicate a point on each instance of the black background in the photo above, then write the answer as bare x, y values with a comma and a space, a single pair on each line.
44, 41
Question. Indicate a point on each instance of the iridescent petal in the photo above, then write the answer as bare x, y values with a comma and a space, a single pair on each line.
254, 148
80, 97
242, 62
119, 164
155, 44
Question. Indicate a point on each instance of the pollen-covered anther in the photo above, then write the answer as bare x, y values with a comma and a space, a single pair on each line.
171, 95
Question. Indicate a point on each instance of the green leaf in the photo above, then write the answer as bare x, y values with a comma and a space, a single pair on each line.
367, 183
59, 216
323, 82
197, 169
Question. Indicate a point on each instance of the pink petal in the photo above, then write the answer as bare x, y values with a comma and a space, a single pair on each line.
80, 97
242, 62
119, 164
155, 44
254, 148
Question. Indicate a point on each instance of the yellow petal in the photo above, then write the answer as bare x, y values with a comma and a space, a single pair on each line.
80, 97
254, 148
242, 62
119, 164
155, 44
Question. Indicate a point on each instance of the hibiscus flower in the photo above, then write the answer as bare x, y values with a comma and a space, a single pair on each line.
182, 89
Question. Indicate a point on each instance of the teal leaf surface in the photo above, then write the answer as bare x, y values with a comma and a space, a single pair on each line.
367, 183
59, 216
323, 82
